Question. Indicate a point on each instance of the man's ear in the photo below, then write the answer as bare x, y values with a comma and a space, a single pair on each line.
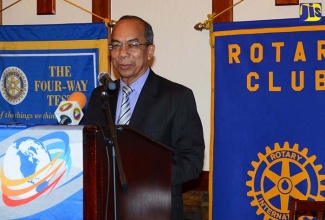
151, 51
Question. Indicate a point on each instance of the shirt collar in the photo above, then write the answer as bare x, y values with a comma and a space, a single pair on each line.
138, 84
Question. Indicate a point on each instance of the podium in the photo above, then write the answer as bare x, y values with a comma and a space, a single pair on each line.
147, 166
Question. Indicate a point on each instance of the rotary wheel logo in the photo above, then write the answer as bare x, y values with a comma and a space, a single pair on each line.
14, 85
281, 174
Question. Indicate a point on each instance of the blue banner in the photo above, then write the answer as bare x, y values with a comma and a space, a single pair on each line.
41, 65
269, 121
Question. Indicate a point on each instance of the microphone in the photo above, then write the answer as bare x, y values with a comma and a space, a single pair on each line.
105, 79
70, 112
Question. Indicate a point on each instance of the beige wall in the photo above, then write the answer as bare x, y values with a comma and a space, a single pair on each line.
24, 12
266, 9
182, 53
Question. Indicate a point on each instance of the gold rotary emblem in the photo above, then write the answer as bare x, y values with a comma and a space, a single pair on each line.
14, 86
279, 175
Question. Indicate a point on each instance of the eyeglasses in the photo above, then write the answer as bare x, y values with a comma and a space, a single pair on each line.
130, 46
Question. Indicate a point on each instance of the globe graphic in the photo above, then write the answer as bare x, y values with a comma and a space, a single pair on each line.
27, 162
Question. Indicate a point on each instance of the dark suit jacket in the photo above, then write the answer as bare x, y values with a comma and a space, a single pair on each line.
165, 111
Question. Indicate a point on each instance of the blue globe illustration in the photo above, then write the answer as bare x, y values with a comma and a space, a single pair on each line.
27, 159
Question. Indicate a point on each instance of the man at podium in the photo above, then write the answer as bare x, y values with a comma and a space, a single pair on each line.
163, 110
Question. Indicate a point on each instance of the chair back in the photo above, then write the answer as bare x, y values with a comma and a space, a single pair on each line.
300, 208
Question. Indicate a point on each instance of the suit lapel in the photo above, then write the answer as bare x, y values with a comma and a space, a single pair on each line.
146, 99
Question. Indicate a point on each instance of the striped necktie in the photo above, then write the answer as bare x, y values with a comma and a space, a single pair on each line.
125, 113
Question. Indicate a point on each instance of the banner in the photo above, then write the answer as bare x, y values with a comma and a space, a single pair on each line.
269, 120
42, 65
41, 172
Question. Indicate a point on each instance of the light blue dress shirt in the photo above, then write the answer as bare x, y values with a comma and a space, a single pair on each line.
133, 97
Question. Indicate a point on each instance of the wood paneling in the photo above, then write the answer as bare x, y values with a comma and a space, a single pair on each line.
286, 2
196, 205
219, 6
101, 8
46, 7
1, 12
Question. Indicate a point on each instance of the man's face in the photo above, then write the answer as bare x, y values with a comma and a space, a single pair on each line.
129, 57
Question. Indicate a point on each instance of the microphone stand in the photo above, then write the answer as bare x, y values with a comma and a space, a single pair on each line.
115, 150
